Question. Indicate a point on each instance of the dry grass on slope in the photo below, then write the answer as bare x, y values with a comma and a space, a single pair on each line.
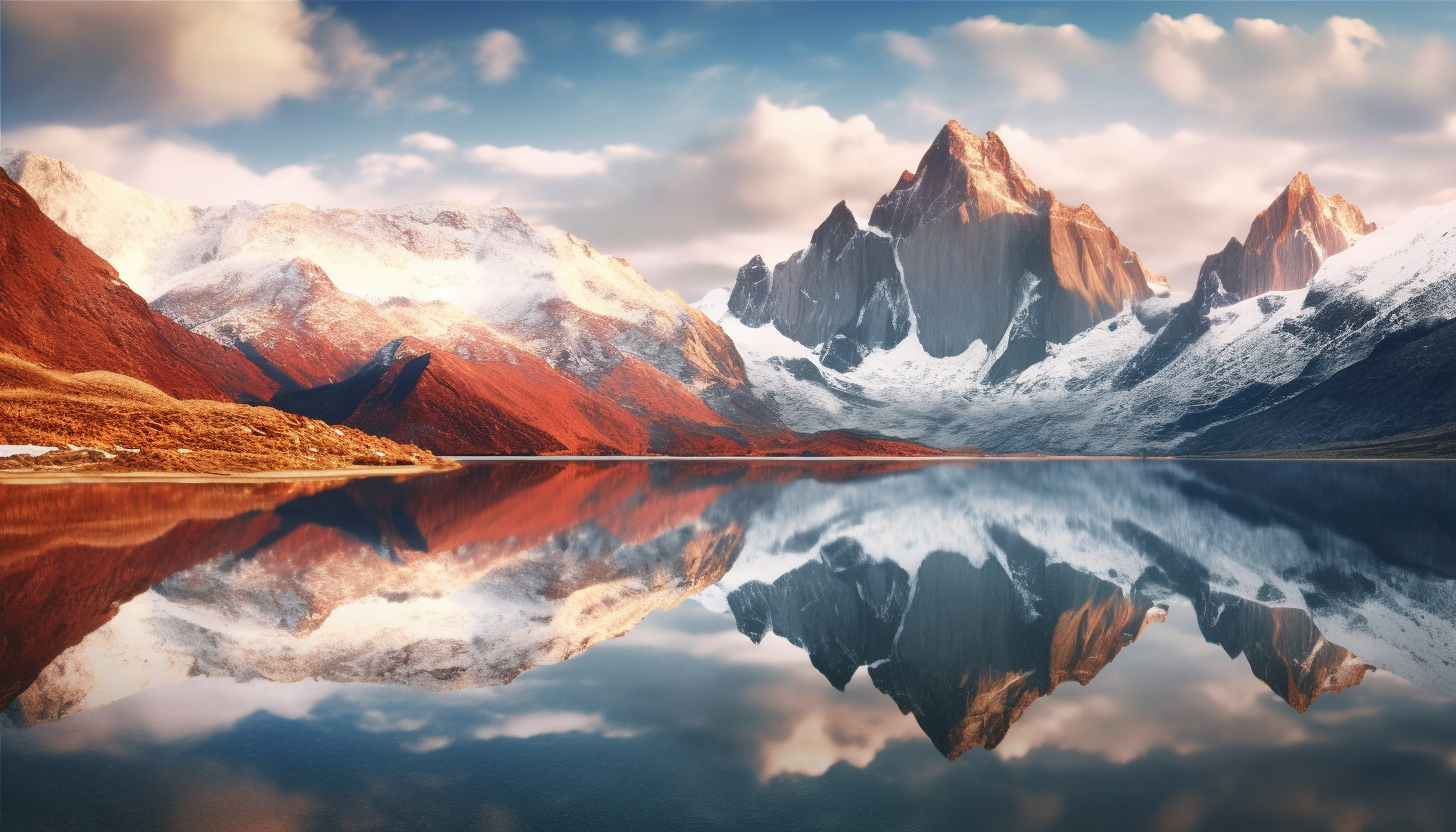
104, 422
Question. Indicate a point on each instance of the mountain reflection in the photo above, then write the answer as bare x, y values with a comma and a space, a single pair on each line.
967, 591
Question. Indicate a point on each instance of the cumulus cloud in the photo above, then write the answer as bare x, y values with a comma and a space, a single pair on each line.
428, 141
177, 168
378, 168
1341, 72
196, 63
1034, 58
498, 55
552, 164
537, 723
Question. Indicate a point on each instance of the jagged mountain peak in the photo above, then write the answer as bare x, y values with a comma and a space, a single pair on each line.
837, 230
959, 168
1285, 246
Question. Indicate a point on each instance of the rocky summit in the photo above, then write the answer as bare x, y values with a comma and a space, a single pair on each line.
965, 249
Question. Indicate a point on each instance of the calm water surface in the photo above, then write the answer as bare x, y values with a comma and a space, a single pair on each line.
777, 645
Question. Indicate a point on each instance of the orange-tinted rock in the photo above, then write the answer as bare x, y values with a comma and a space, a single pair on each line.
63, 307
1285, 246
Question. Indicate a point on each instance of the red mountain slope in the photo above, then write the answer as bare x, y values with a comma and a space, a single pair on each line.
62, 306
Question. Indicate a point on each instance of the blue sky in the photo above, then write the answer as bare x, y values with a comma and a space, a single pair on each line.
689, 136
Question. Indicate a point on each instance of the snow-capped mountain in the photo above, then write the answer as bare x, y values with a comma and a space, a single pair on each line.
579, 309
1357, 356
966, 249
63, 307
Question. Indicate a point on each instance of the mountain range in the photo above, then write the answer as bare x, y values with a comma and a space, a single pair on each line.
973, 311
461, 328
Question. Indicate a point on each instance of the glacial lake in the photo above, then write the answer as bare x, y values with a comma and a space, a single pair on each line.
786, 644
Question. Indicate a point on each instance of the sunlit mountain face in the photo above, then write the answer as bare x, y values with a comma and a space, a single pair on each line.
553, 644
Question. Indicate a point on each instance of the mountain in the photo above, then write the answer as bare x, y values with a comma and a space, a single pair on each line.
966, 249
1358, 357
499, 407
579, 309
1285, 246
287, 317
459, 326
65, 308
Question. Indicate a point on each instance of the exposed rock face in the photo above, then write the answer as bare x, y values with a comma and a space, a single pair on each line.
1286, 245
65, 308
965, 249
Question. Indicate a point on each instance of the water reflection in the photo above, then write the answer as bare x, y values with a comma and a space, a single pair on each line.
967, 591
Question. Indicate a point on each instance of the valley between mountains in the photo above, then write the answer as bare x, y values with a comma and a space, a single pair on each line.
971, 312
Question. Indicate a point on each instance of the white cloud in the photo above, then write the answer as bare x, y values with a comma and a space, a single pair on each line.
622, 38
350, 60
190, 62
177, 168
909, 48
440, 103
1035, 58
1261, 67
628, 39
551, 164
498, 55
377, 168
428, 141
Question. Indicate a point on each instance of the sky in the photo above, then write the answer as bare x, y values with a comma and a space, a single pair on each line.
687, 137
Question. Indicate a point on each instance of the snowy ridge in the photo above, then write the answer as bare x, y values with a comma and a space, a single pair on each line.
87, 206
553, 292
1396, 279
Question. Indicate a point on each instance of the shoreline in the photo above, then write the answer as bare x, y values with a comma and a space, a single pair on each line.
62, 477
35, 476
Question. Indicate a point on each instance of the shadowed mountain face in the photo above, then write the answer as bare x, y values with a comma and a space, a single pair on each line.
967, 592
965, 249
